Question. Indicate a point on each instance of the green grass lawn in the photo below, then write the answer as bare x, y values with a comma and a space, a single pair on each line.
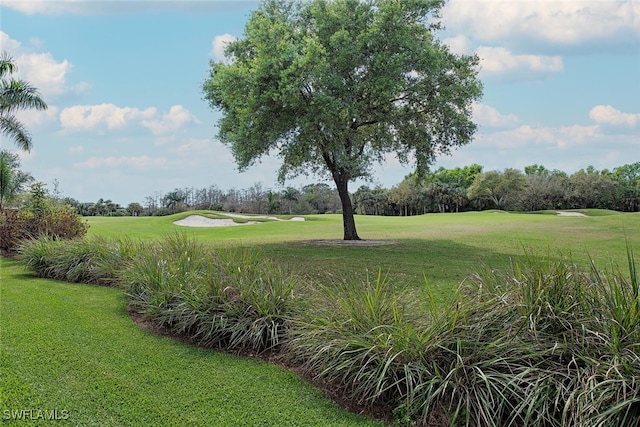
73, 347
444, 248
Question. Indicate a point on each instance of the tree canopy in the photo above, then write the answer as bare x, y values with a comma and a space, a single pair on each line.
333, 87
16, 95
12, 179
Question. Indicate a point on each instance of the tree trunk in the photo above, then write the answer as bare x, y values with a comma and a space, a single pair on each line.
348, 222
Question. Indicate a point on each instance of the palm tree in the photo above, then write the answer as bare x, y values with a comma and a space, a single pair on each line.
290, 194
12, 180
16, 95
173, 200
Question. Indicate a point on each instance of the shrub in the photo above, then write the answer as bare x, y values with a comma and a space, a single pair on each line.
543, 345
217, 298
548, 344
95, 260
13, 225
363, 338
39, 255
16, 226
161, 212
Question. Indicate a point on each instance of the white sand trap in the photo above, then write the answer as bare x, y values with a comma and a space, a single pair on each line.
295, 218
560, 213
202, 221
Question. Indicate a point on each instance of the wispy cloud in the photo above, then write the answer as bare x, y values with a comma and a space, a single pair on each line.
608, 115
39, 119
139, 162
97, 7
101, 116
219, 44
488, 116
547, 24
499, 61
42, 70
194, 146
178, 117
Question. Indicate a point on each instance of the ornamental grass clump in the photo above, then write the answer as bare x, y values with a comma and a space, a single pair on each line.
223, 298
545, 344
39, 255
363, 339
94, 260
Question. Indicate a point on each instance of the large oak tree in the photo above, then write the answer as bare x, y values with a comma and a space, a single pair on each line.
333, 86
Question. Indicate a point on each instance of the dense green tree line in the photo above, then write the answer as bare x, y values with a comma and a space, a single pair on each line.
308, 199
537, 188
443, 190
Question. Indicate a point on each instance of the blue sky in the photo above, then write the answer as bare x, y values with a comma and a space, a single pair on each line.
127, 118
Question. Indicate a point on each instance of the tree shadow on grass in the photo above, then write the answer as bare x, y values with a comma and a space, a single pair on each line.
444, 264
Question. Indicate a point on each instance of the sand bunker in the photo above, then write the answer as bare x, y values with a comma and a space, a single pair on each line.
203, 221
560, 213
295, 218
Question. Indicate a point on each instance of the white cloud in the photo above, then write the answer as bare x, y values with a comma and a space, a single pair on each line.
25, 156
486, 115
103, 118
177, 118
164, 140
218, 45
109, 116
76, 7
501, 62
194, 146
44, 72
567, 148
31, 7
139, 162
498, 61
607, 115
8, 44
41, 70
586, 23
562, 137
459, 44
38, 119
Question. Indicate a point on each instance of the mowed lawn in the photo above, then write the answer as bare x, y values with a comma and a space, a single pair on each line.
73, 348
441, 248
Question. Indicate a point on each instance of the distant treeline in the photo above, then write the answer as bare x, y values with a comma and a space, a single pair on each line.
443, 190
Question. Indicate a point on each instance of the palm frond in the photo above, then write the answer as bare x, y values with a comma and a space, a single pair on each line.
7, 66
12, 128
19, 95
